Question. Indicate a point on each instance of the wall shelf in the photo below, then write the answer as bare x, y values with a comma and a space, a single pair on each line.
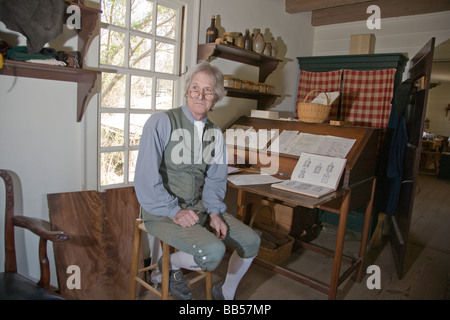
84, 77
266, 65
265, 100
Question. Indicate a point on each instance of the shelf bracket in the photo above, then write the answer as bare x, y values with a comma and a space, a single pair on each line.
84, 93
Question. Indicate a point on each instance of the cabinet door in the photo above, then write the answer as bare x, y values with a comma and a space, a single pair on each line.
419, 73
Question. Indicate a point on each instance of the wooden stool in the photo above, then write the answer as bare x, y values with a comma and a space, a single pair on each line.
164, 292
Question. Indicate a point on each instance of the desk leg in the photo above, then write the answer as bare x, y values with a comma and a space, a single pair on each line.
365, 232
343, 212
244, 203
241, 206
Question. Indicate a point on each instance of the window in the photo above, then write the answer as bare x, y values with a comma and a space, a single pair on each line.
140, 45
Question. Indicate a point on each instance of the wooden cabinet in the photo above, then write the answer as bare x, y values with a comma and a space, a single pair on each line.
266, 65
85, 78
419, 74
361, 62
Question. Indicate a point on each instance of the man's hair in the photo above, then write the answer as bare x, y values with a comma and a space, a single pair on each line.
215, 74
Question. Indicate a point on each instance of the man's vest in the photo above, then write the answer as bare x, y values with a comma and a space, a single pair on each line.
183, 166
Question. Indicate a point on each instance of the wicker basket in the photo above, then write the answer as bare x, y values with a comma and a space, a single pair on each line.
280, 254
313, 112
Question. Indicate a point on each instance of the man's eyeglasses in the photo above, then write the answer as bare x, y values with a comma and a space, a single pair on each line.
207, 93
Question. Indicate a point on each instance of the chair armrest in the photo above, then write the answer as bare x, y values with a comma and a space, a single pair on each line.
41, 228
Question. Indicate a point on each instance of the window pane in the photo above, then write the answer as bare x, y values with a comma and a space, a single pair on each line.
111, 167
140, 52
112, 129
166, 22
141, 15
132, 164
164, 94
113, 90
141, 92
112, 47
164, 57
137, 122
113, 12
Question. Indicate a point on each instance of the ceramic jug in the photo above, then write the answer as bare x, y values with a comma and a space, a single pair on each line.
248, 41
239, 40
258, 42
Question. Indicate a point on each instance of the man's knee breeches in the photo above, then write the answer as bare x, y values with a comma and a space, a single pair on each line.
208, 255
207, 249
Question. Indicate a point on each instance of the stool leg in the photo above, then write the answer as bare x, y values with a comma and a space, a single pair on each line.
208, 285
165, 271
135, 259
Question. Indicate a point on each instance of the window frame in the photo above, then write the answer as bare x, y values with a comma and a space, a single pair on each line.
186, 33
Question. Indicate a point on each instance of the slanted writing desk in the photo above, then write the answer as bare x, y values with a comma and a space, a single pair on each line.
356, 189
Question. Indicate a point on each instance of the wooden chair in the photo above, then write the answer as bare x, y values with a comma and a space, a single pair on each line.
430, 157
163, 293
14, 286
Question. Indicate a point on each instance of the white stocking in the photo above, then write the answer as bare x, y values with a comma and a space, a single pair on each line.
183, 260
237, 267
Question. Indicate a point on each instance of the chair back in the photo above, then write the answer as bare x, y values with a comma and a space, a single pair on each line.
10, 251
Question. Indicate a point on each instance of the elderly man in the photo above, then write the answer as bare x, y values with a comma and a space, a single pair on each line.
180, 181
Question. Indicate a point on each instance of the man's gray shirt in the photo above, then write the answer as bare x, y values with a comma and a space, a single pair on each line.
151, 193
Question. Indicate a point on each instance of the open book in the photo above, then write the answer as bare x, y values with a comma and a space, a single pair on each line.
314, 175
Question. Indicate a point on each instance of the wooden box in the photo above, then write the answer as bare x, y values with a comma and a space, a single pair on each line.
362, 43
299, 222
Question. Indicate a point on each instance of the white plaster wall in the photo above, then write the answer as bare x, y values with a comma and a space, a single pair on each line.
294, 35
438, 100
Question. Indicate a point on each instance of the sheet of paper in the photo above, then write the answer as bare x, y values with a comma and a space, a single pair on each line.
336, 146
319, 170
306, 142
322, 99
316, 143
284, 141
265, 136
289, 142
248, 179
232, 170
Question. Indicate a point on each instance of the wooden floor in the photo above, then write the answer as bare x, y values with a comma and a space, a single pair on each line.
428, 260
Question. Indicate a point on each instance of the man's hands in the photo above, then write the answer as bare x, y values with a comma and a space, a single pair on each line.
187, 218
218, 225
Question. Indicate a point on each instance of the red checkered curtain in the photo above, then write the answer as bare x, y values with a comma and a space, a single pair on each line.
367, 97
326, 81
